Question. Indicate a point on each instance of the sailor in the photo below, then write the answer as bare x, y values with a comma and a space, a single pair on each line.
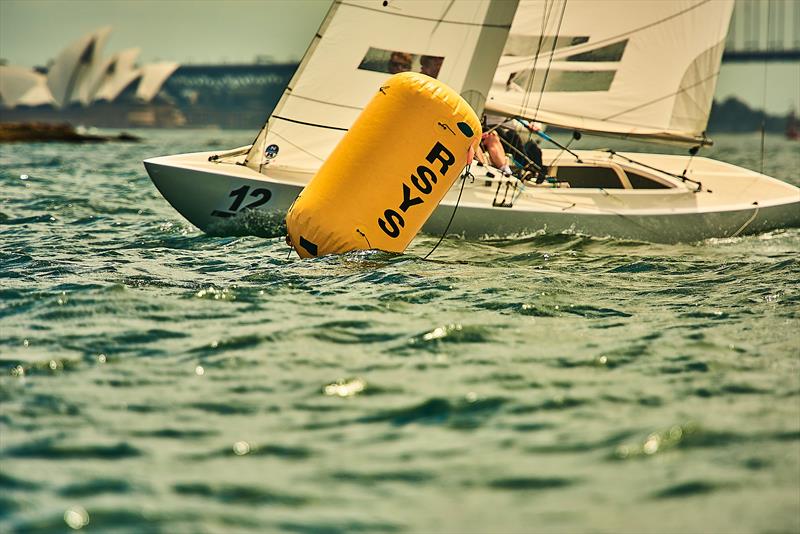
531, 147
503, 137
399, 62
430, 65
491, 145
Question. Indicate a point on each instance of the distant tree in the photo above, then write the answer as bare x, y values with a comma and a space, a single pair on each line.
733, 115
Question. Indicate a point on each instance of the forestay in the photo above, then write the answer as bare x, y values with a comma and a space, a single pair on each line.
360, 44
643, 69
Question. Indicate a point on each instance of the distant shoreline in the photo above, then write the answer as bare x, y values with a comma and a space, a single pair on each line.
734, 116
729, 116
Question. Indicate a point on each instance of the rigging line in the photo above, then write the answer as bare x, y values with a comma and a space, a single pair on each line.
467, 174
645, 165
531, 78
550, 62
315, 125
561, 153
518, 192
230, 153
748, 221
515, 149
298, 147
764, 92
318, 101
591, 46
441, 19
534, 59
659, 99
253, 144
429, 19
312, 46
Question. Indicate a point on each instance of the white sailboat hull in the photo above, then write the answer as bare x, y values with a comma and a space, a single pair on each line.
734, 201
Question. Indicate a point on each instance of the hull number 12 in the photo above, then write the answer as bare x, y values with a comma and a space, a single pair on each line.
244, 198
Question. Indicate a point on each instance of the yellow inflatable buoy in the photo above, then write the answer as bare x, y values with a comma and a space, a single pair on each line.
388, 173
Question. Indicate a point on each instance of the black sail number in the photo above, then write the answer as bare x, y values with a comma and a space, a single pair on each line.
245, 198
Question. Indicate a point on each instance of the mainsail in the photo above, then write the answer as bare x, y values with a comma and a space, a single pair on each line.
361, 43
644, 69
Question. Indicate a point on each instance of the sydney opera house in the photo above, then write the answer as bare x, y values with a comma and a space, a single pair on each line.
81, 77
83, 86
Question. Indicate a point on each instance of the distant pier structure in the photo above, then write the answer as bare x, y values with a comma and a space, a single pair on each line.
228, 95
764, 30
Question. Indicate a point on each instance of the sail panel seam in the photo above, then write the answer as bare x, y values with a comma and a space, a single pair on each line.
318, 101
417, 17
315, 125
592, 45
659, 99
298, 147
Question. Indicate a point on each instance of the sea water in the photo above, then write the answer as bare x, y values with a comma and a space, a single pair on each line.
156, 379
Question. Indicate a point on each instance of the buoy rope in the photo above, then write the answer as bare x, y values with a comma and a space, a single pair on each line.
467, 174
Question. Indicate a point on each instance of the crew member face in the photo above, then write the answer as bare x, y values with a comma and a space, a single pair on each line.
399, 62
431, 66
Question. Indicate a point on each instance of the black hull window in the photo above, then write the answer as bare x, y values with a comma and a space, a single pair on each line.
642, 182
590, 177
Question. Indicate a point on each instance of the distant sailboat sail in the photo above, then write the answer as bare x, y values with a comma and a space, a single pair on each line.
634, 69
361, 43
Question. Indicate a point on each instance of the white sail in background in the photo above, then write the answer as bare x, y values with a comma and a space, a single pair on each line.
117, 72
74, 66
153, 77
360, 44
645, 69
20, 86
90, 68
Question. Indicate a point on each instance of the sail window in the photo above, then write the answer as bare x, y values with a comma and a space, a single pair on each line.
527, 45
564, 80
394, 61
589, 177
612, 52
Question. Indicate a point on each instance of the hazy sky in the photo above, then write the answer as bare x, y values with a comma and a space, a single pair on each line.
187, 31
237, 31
